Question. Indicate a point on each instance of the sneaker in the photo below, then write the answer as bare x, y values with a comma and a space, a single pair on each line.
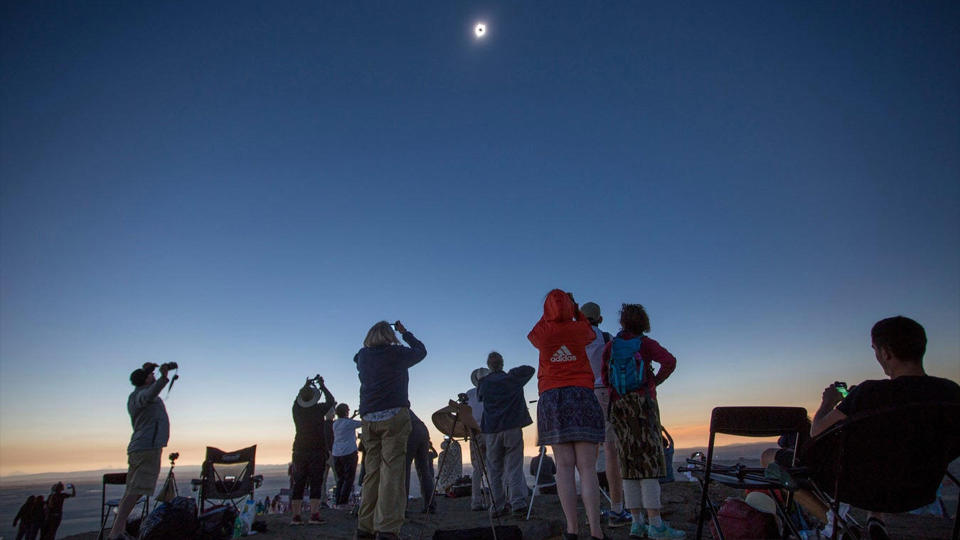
296, 520
618, 519
638, 530
665, 531
315, 519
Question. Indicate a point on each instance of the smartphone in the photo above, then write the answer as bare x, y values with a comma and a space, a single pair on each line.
842, 388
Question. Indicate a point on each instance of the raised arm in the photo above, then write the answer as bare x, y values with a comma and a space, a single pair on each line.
154, 391
522, 374
417, 352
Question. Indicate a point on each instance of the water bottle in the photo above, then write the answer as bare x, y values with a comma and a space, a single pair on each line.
237, 527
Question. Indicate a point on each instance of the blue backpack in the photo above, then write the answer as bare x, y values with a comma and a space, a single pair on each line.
624, 375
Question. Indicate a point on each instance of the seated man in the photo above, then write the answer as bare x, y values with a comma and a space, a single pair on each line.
899, 344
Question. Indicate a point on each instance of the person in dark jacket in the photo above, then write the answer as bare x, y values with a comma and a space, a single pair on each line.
54, 514
418, 453
151, 430
382, 366
310, 452
23, 516
35, 518
504, 417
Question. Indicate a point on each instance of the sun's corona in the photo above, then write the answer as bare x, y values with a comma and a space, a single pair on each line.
480, 30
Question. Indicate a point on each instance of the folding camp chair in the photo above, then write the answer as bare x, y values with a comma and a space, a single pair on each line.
746, 422
227, 476
886, 460
107, 505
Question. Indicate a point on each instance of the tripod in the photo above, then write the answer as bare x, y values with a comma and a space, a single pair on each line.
169, 489
469, 436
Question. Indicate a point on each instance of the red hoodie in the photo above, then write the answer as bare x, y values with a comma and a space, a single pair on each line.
562, 343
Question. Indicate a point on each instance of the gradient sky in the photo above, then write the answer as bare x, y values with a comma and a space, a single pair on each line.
245, 188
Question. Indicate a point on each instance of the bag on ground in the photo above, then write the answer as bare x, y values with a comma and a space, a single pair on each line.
740, 521
174, 519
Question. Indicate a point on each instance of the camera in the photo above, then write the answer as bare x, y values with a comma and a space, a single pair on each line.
841, 387
462, 398
173, 456
316, 381
150, 366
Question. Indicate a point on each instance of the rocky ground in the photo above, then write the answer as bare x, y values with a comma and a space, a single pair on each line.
680, 509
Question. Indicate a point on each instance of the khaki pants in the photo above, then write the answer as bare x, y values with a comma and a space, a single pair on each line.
384, 500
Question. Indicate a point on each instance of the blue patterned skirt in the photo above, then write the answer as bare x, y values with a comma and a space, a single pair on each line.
569, 414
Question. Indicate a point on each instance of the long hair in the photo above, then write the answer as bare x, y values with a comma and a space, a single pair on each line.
380, 334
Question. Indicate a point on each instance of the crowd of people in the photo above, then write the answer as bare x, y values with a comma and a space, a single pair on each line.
596, 391
42, 517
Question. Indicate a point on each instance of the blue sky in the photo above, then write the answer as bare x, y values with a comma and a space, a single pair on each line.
246, 188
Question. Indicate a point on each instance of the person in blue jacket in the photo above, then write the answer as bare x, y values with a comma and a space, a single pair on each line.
504, 417
382, 366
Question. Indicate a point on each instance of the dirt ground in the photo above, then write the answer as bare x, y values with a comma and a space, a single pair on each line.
680, 509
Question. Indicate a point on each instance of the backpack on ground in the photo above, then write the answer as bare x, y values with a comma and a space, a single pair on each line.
740, 521
624, 374
174, 519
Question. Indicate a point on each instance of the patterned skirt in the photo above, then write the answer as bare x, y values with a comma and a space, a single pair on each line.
636, 421
569, 414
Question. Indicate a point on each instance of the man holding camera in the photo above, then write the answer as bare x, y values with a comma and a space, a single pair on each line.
151, 430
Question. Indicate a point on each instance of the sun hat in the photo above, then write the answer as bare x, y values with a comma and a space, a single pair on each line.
764, 503
478, 374
591, 310
308, 396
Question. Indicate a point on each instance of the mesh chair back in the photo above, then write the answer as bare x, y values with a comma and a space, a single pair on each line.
228, 475
887, 460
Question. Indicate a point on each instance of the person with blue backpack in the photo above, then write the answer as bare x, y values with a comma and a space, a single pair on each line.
628, 371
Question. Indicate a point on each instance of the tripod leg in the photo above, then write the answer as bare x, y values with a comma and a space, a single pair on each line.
536, 481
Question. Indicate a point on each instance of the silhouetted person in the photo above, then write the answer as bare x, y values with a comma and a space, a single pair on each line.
418, 454
36, 517
310, 452
54, 512
151, 430
23, 516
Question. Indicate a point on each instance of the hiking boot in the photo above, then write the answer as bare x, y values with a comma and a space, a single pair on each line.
296, 520
638, 530
664, 531
618, 519
315, 519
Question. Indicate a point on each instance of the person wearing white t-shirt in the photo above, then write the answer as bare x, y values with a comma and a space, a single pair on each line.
344, 453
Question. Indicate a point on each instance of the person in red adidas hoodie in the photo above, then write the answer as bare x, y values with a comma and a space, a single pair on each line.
569, 417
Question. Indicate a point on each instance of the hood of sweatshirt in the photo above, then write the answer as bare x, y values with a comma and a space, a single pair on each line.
557, 307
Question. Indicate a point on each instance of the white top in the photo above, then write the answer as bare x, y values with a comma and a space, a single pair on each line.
345, 436
595, 354
475, 404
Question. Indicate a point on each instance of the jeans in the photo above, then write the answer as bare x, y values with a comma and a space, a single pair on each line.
384, 501
345, 467
505, 466
419, 454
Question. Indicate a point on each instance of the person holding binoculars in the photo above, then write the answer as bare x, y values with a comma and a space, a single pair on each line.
151, 430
